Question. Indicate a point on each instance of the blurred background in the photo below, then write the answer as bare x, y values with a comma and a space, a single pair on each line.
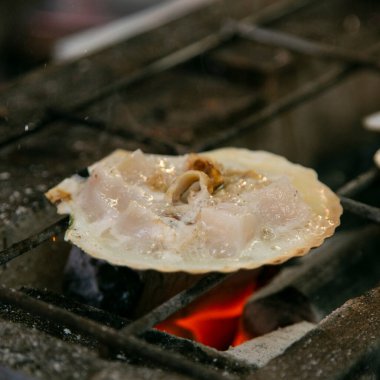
31, 30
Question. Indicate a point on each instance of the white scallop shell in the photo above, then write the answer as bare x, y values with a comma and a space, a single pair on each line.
376, 158
280, 217
372, 122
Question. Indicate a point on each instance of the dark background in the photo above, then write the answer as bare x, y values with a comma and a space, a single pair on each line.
30, 28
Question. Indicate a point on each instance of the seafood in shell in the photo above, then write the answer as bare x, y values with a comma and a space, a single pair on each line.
221, 210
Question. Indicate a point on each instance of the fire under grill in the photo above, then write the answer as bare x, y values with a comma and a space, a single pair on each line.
292, 77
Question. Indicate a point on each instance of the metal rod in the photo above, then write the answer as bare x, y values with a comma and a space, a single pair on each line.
359, 183
277, 10
110, 337
22, 134
306, 92
301, 45
163, 64
31, 242
170, 61
361, 209
174, 304
266, 15
128, 134
187, 53
197, 352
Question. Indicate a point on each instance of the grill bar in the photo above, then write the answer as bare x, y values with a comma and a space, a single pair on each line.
29, 243
185, 347
163, 64
306, 92
127, 134
277, 11
174, 304
172, 60
302, 45
361, 209
361, 182
187, 53
267, 15
33, 128
189, 349
110, 337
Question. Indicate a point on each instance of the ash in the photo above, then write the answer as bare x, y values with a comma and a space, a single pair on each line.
44, 357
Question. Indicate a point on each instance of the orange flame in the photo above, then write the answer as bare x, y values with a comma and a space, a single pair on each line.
214, 319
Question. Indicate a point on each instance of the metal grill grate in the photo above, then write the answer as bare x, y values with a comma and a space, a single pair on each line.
130, 339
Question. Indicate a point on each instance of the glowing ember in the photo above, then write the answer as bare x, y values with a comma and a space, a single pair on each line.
214, 319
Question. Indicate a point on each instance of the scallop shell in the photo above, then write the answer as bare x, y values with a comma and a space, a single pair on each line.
376, 158
259, 209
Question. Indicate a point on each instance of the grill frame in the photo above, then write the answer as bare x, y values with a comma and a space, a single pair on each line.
129, 338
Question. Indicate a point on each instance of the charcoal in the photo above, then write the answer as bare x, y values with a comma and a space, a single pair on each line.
344, 345
261, 350
263, 316
343, 268
97, 283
